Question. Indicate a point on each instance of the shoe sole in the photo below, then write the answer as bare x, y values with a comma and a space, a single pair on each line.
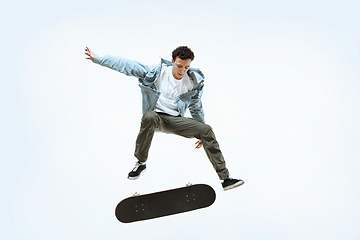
238, 184
134, 178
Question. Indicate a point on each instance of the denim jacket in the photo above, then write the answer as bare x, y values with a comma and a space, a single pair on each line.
147, 75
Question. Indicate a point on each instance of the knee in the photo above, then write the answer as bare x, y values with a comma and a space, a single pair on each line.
149, 116
206, 129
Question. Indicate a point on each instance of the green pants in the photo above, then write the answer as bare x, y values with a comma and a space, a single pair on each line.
186, 127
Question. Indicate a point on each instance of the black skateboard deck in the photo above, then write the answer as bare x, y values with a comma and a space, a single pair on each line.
169, 202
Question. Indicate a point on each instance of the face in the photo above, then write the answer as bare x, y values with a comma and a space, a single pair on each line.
180, 67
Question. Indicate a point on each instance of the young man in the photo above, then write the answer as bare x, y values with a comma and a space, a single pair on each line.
168, 89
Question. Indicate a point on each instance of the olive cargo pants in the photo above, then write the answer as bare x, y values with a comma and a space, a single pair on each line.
182, 126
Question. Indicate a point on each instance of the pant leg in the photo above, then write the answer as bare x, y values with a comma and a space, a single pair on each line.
149, 123
190, 128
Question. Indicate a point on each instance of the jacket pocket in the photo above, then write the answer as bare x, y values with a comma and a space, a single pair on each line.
186, 97
184, 100
182, 106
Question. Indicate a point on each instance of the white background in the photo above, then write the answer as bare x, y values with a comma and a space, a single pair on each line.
281, 93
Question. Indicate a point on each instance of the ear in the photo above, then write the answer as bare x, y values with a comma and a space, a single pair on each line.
172, 61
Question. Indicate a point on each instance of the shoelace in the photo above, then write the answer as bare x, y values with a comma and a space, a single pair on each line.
137, 165
229, 178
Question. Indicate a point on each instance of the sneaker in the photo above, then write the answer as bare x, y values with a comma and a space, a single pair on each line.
230, 183
138, 169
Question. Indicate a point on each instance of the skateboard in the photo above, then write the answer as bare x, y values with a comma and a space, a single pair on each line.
164, 203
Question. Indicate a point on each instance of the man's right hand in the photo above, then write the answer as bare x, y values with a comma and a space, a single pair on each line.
89, 53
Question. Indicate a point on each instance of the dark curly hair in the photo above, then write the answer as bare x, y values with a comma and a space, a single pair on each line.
183, 52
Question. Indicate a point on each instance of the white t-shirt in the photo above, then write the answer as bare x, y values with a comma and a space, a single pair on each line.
170, 89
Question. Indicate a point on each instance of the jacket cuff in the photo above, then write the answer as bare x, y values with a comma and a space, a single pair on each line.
97, 59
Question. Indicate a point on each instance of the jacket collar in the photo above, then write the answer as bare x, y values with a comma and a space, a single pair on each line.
196, 75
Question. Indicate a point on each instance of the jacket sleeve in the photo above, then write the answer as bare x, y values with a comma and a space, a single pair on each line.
123, 65
195, 107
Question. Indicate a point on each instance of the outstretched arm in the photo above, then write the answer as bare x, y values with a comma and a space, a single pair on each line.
120, 64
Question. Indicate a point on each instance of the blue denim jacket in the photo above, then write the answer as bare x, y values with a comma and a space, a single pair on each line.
147, 75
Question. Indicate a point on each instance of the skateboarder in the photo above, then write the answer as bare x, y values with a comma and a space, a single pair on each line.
168, 89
